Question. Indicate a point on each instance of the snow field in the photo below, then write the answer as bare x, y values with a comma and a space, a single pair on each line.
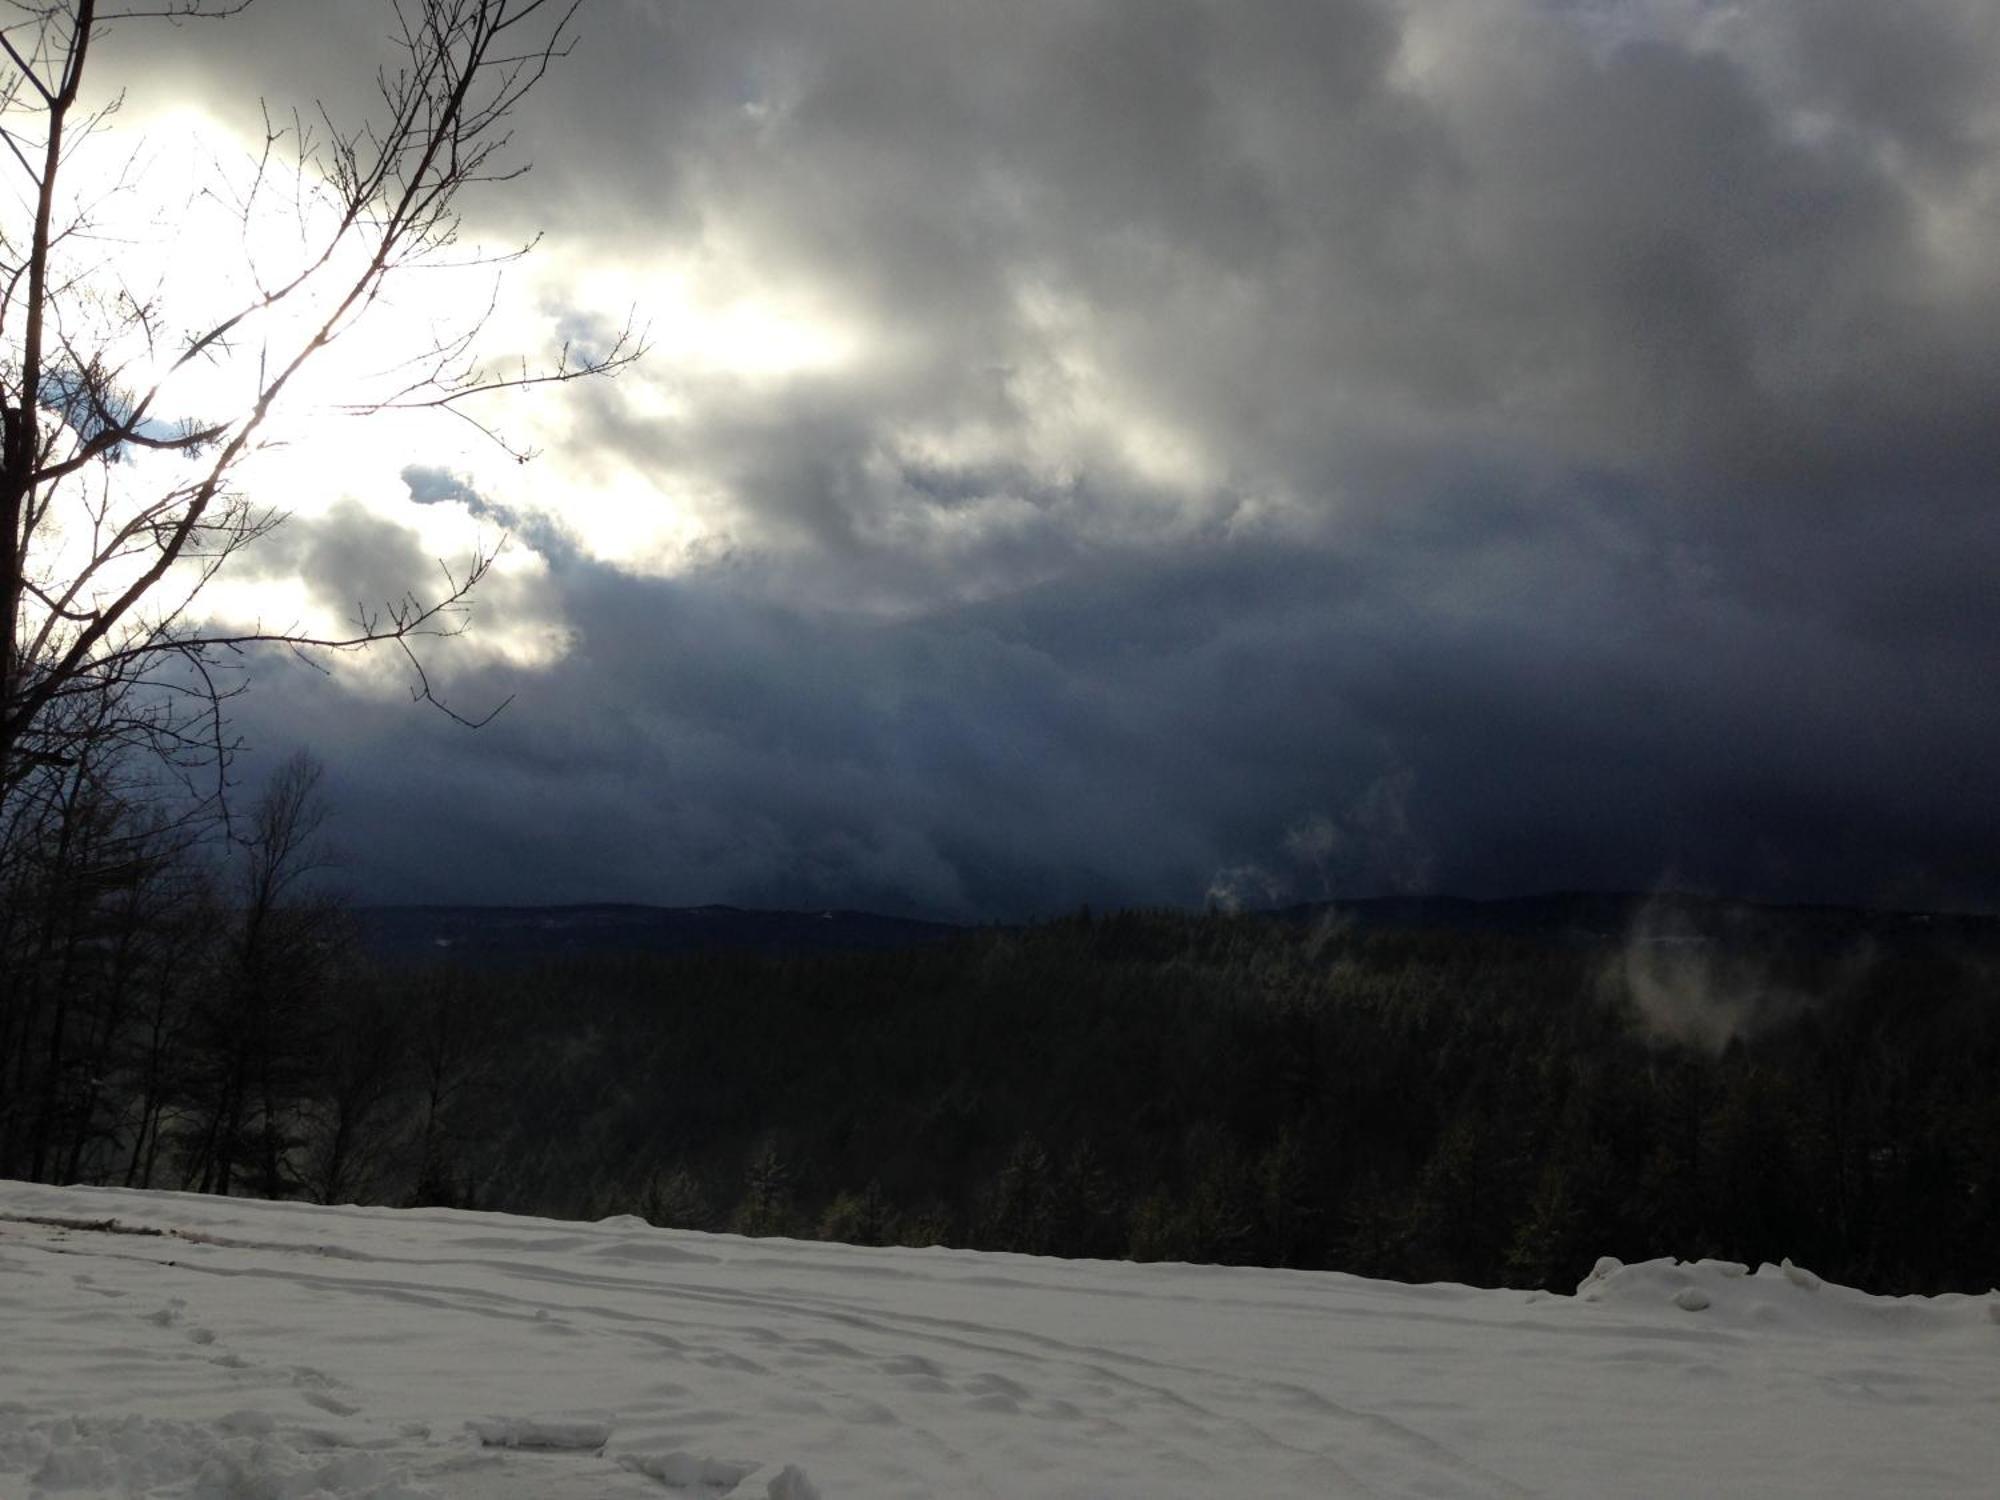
220, 1349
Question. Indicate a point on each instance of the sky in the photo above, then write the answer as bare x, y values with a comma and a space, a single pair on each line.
1162, 451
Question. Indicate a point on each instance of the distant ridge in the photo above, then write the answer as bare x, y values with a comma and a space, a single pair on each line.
525, 933
1568, 918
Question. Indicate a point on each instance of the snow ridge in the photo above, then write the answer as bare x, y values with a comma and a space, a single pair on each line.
1782, 1296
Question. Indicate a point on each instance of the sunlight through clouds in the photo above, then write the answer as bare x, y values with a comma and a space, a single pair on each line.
1254, 399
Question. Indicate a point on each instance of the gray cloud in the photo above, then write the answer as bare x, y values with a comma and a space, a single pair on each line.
537, 530
350, 559
1131, 737
1583, 412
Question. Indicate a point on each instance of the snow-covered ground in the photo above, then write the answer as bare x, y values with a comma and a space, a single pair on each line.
241, 1350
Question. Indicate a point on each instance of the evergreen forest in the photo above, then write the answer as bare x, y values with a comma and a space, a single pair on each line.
1421, 1103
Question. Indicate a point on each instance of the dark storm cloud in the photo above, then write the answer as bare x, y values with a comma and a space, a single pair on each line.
1135, 732
1584, 430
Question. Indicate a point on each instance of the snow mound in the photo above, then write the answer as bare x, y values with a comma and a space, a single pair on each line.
658, 1251
1784, 1296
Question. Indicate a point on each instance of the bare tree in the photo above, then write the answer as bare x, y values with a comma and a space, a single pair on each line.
121, 497
259, 1021
92, 876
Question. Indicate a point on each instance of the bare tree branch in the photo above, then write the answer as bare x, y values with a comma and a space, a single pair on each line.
101, 583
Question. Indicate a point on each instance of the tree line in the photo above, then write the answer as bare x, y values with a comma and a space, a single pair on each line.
1160, 1085
179, 1010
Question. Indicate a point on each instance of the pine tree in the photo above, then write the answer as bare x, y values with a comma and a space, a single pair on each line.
766, 1205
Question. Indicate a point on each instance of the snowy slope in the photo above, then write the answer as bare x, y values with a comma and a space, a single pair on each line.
273, 1350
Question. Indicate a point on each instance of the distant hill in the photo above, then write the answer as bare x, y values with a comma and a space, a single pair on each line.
526, 933
1567, 919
